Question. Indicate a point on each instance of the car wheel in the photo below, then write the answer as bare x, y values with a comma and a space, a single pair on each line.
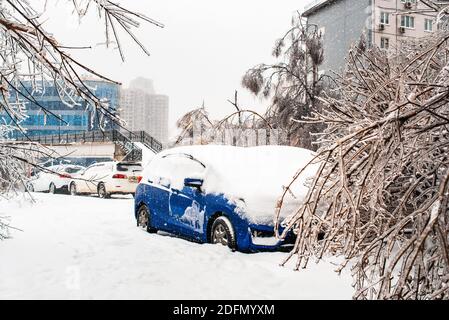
52, 188
223, 233
30, 188
73, 191
102, 193
143, 220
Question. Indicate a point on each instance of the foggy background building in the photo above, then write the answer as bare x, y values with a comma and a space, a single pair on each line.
144, 110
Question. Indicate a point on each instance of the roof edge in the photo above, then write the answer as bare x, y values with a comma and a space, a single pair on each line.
314, 6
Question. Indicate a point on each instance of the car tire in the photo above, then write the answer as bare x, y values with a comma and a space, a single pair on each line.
222, 232
72, 189
52, 188
143, 219
30, 188
102, 193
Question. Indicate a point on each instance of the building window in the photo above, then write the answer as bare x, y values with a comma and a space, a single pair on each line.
384, 18
428, 25
408, 22
384, 43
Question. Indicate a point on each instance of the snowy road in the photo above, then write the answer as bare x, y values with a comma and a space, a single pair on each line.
88, 248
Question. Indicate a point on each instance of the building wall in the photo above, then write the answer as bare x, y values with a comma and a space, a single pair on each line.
344, 21
396, 8
341, 23
158, 117
78, 118
142, 111
132, 109
143, 84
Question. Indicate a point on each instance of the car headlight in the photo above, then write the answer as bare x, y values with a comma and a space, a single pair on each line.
240, 204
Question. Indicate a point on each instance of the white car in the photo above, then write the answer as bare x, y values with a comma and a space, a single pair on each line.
54, 180
107, 178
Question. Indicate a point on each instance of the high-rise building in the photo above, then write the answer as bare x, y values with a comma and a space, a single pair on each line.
385, 23
75, 118
143, 84
143, 110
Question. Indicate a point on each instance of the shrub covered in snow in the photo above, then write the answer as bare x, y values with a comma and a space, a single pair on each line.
381, 196
4, 231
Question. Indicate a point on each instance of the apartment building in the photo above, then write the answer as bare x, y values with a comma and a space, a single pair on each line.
384, 23
144, 110
397, 20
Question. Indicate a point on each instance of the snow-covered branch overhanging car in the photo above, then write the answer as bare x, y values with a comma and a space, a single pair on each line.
223, 194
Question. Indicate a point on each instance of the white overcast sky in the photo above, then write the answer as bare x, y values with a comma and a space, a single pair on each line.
201, 54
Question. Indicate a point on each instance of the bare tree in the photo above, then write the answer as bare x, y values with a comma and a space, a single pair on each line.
293, 83
197, 119
29, 54
197, 124
380, 199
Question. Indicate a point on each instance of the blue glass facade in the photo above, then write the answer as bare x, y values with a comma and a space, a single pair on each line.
79, 118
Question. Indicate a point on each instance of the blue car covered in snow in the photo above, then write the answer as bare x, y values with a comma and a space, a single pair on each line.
222, 195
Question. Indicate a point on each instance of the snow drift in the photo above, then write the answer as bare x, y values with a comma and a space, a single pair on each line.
90, 248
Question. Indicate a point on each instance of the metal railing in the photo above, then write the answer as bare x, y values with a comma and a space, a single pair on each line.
144, 138
114, 136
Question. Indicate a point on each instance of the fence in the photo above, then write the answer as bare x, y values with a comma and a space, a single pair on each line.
238, 137
115, 136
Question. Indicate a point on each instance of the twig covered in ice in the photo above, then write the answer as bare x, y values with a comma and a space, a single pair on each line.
381, 196
31, 60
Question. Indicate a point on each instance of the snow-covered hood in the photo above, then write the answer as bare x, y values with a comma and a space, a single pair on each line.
262, 211
256, 175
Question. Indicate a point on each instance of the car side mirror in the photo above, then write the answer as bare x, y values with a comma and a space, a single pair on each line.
193, 183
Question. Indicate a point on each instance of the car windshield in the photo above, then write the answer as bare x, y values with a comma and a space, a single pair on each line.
129, 167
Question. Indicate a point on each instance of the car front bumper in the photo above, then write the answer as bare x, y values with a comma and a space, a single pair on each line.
262, 238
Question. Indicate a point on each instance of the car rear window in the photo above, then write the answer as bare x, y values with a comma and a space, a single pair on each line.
128, 167
73, 170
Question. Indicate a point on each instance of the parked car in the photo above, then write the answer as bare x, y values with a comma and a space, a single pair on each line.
223, 195
54, 179
107, 178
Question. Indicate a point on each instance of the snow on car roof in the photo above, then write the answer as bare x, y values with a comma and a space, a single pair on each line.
257, 174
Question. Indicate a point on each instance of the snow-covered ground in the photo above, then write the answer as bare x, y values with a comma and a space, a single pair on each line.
88, 248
